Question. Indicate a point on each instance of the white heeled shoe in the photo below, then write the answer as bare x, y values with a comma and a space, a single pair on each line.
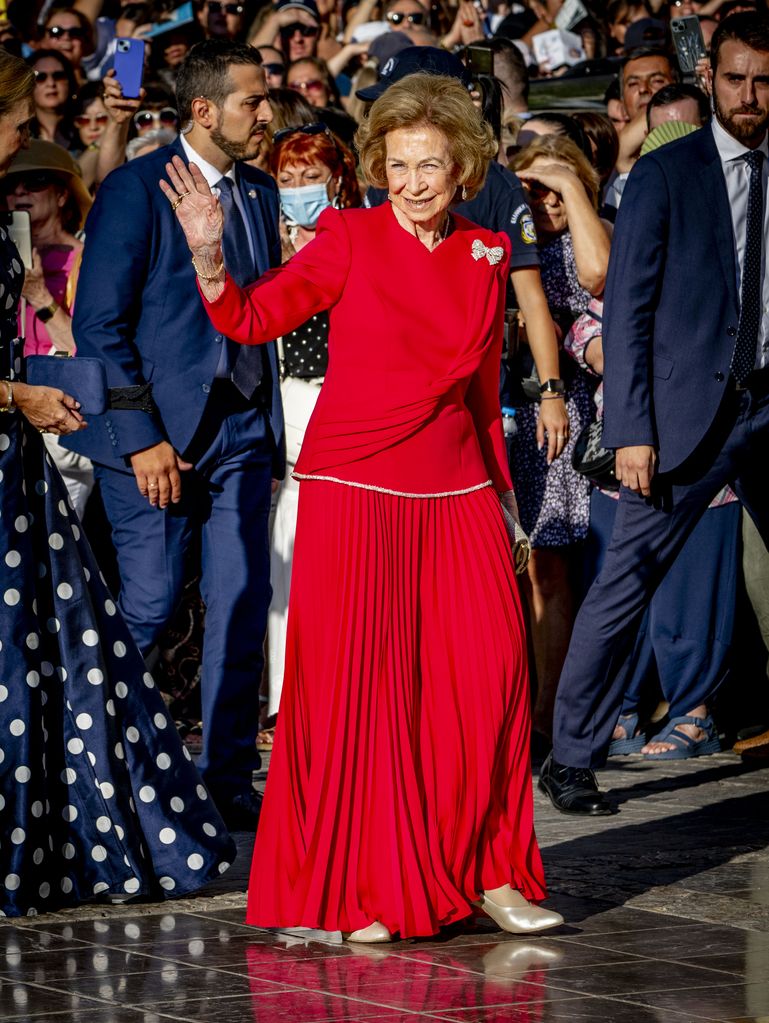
520, 918
374, 934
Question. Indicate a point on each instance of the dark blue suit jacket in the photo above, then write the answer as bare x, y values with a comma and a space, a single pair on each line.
138, 309
672, 304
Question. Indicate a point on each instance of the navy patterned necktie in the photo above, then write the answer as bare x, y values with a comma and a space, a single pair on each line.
744, 357
247, 366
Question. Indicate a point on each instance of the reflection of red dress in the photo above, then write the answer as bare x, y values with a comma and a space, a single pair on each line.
400, 785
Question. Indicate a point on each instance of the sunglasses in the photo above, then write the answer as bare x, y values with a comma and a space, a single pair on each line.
59, 32
34, 181
274, 69
41, 77
308, 31
316, 128
167, 117
215, 7
84, 121
312, 86
415, 18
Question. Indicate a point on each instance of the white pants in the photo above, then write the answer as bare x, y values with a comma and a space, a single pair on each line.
298, 403
76, 471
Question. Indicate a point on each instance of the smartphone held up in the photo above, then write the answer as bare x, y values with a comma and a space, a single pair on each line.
129, 66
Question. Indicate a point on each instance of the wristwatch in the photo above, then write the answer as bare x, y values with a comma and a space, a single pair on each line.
553, 386
47, 312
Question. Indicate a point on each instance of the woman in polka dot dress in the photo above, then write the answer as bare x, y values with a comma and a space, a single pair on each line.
97, 795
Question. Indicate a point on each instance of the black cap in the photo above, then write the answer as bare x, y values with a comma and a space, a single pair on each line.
308, 6
412, 60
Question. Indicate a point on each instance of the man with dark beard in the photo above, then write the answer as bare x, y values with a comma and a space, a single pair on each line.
193, 474
686, 385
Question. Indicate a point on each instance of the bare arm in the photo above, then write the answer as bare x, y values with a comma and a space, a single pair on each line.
90, 8
113, 142
36, 292
553, 421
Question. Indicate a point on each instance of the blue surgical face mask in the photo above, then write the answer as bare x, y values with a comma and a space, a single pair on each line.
305, 204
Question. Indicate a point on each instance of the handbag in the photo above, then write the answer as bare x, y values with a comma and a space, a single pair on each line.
519, 541
85, 379
591, 460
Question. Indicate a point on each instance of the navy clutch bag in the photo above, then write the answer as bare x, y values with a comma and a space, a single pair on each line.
84, 379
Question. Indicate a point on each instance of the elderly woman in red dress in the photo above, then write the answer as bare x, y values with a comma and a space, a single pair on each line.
400, 792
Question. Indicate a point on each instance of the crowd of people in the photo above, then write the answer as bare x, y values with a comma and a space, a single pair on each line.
301, 273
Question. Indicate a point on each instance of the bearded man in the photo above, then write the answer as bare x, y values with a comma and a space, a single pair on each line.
192, 476
686, 384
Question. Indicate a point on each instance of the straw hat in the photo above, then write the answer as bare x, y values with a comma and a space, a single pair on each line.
47, 156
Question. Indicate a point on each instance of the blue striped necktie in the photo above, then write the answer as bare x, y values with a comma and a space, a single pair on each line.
246, 361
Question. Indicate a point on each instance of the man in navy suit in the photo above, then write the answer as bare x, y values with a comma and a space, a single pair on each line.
686, 346
195, 475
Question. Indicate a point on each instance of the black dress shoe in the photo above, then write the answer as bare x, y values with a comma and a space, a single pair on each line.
573, 789
241, 811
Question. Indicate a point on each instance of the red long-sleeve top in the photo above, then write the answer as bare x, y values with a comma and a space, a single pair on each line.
410, 402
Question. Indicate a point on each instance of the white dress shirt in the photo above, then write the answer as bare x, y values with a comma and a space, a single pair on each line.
737, 176
213, 176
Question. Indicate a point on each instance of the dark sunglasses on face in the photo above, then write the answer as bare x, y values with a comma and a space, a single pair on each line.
34, 181
274, 69
85, 121
59, 32
168, 117
415, 18
215, 7
308, 31
56, 76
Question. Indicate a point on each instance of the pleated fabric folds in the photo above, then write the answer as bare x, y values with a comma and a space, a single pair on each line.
400, 786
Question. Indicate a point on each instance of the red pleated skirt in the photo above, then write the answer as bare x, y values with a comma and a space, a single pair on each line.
400, 785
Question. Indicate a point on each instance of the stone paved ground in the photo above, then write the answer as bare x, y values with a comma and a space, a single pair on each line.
667, 909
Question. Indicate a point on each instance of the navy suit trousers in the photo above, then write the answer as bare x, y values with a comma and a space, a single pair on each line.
224, 513
647, 537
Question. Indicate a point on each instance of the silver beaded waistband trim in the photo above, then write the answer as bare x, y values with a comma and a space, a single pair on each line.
386, 490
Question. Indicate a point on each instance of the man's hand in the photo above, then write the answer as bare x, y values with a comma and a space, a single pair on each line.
157, 470
48, 409
635, 467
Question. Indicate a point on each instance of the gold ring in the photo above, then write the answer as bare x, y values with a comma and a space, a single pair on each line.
176, 203
152, 486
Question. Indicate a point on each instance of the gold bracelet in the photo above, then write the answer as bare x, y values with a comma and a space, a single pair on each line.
9, 406
204, 277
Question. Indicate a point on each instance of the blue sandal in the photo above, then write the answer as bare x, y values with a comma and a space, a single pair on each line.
632, 743
686, 747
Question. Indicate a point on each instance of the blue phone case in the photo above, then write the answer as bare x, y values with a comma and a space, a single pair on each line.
129, 65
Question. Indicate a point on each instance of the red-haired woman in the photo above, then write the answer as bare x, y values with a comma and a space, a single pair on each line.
313, 170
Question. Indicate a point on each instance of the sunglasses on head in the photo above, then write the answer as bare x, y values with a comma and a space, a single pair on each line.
316, 128
56, 76
60, 32
274, 69
415, 18
215, 7
311, 86
168, 117
86, 121
34, 181
308, 31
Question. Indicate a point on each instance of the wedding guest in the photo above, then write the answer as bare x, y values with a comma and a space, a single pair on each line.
97, 797
401, 536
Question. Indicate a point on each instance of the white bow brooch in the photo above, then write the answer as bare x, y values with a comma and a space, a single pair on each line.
493, 255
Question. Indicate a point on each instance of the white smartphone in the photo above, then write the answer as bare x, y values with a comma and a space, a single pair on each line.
20, 233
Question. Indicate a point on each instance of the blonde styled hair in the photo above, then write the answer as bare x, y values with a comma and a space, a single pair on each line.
17, 81
562, 150
434, 101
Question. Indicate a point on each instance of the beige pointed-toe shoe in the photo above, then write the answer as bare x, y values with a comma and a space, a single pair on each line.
374, 934
519, 916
